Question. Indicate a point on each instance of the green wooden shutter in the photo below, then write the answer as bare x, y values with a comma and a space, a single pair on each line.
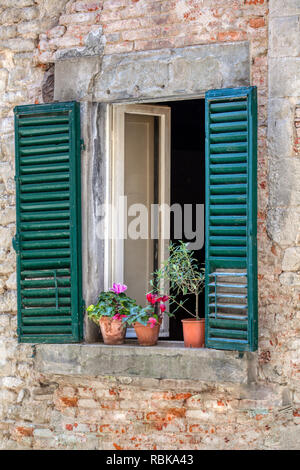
48, 236
231, 211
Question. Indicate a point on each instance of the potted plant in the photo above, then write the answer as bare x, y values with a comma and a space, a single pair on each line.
185, 277
147, 320
111, 313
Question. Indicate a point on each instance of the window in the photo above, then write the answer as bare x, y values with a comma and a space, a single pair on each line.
48, 213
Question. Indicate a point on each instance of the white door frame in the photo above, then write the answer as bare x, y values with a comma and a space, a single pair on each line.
114, 246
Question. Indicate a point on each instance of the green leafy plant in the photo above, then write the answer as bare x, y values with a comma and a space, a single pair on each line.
150, 315
184, 275
113, 303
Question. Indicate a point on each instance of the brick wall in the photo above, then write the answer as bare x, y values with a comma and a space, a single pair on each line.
38, 411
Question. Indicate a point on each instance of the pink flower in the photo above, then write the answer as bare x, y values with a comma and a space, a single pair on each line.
118, 288
152, 322
164, 298
118, 316
162, 307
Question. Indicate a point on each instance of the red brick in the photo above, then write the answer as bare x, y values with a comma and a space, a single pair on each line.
257, 22
24, 431
69, 401
231, 35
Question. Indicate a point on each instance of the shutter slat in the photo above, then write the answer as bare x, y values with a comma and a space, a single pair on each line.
48, 240
42, 130
229, 117
42, 188
235, 334
46, 120
228, 199
64, 176
45, 206
63, 292
45, 235
45, 264
48, 321
226, 189
45, 301
46, 244
228, 147
231, 209
228, 208
40, 150
228, 240
45, 283
228, 157
46, 311
44, 139
37, 274
228, 106
45, 225
229, 137
47, 215
52, 196
228, 168
44, 168
229, 126
42, 330
46, 253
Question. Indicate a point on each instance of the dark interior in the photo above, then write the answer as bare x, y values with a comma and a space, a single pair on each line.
187, 181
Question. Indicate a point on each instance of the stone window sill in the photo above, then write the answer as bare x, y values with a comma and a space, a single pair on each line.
166, 360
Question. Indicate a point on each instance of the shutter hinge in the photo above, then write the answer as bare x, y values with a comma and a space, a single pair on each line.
16, 243
82, 144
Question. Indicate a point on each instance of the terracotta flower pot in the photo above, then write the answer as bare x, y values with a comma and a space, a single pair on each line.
193, 332
113, 331
146, 335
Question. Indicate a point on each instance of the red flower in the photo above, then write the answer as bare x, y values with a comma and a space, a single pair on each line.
152, 298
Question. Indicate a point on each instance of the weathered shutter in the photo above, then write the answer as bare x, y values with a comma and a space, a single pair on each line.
48, 236
231, 211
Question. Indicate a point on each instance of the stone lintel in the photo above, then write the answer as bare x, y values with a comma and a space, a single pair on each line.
155, 74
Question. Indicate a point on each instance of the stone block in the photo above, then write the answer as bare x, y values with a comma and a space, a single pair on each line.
284, 75
283, 225
284, 177
7, 32
284, 36
12, 382
290, 279
74, 77
3, 79
284, 7
8, 302
12, 3
280, 127
291, 259
18, 44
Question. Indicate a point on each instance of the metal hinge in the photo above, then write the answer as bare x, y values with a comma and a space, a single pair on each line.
82, 145
16, 243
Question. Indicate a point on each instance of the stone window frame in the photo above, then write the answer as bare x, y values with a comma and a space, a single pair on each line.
98, 82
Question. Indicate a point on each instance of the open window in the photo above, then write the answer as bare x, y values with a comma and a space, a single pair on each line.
157, 158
